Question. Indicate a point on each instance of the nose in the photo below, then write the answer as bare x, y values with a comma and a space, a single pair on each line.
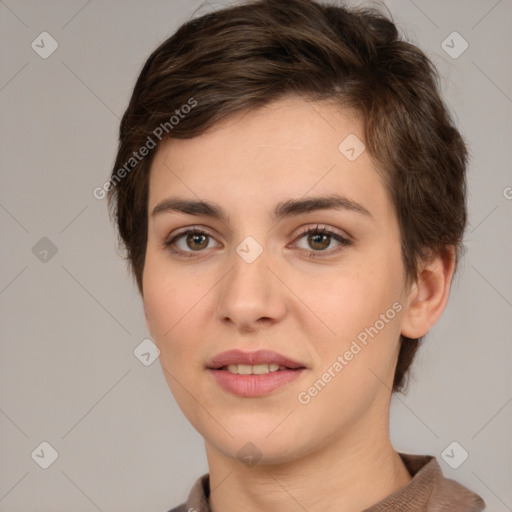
251, 296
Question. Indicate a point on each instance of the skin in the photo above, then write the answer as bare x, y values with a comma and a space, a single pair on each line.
333, 453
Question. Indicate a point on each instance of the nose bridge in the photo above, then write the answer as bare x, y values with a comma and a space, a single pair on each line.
250, 291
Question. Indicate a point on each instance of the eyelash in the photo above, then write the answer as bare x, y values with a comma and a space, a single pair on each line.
343, 242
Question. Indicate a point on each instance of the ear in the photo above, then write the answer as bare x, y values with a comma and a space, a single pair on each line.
428, 295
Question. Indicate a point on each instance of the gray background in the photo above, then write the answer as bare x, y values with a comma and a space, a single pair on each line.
70, 324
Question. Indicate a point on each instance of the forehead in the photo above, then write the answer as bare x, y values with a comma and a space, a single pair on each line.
291, 147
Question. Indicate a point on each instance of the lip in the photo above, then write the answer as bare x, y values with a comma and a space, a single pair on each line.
252, 358
253, 385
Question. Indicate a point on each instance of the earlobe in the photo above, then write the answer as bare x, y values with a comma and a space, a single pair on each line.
429, 294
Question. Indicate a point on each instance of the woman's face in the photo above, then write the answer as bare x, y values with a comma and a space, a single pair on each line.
330, 302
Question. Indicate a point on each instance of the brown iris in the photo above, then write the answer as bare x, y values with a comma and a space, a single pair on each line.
321, 240
194, 237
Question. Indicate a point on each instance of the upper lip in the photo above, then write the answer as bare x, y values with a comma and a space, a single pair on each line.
252, 358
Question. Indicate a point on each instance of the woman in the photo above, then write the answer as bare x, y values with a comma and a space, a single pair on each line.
290, 189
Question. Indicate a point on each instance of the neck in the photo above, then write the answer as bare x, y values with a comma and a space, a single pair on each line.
346, 474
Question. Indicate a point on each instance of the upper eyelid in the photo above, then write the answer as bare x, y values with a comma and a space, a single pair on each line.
303, 231
324, 228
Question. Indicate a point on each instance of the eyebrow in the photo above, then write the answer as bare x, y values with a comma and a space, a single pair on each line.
284, 209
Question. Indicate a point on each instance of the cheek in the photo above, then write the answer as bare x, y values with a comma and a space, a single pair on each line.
351, 299
361, 306
364, 313
169, 300
170, 305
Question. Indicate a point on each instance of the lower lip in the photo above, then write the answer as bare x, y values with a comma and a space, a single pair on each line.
254, 385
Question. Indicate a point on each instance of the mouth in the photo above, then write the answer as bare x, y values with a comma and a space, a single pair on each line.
253, 374
259, 362
257, 369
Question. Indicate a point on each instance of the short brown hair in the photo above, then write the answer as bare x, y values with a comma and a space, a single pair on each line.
248, 55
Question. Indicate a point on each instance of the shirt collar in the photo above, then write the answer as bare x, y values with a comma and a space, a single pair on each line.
427, 486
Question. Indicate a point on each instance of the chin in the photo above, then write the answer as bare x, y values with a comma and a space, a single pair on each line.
260, 443
262, 452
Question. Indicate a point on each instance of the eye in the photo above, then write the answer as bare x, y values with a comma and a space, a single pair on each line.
320, 238
189, 240
195, 239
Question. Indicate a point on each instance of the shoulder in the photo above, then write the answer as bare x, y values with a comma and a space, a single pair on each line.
449, 495
198, 497
179, 508
441, 494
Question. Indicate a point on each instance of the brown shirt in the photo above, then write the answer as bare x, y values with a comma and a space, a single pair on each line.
428, 491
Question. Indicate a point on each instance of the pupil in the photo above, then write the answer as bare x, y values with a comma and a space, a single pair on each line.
322, 245
194, 238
